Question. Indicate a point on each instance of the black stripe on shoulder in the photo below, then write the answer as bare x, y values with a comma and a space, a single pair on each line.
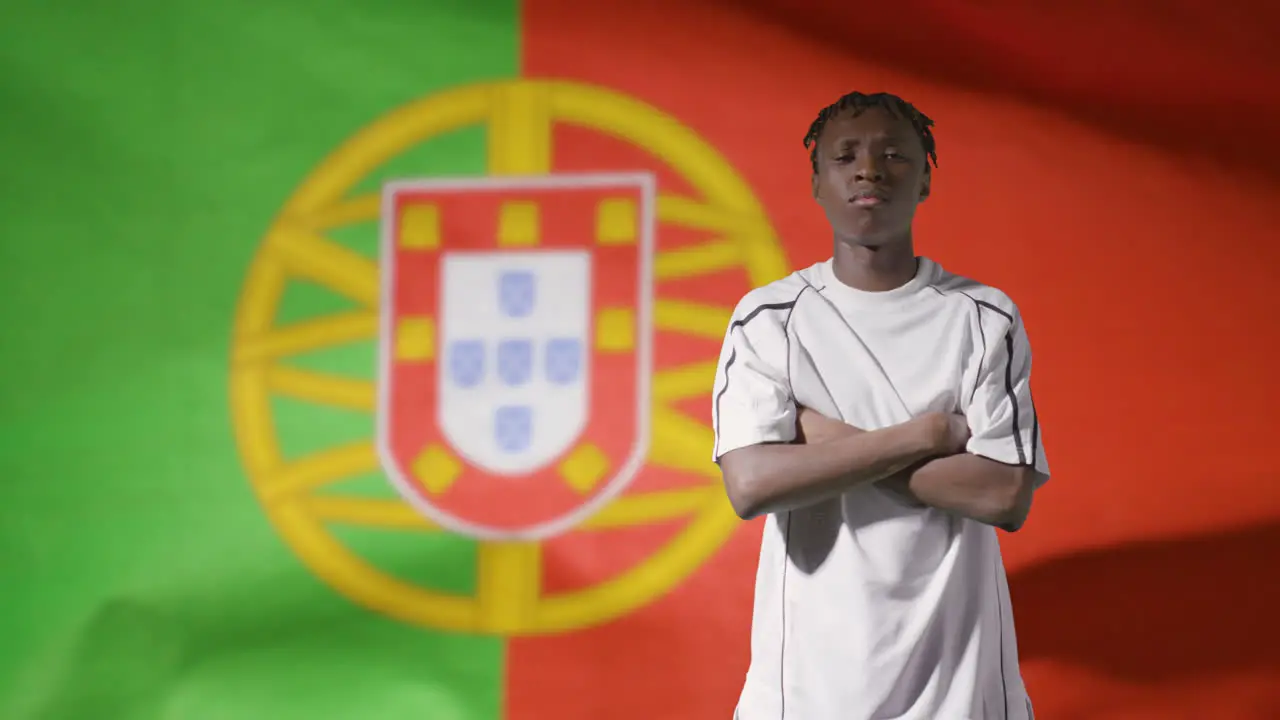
733, 355
1008, 372
1013, 397
989, 306
980, 303
788, 306
1008, 380
761, 308
1035, 432
982, 334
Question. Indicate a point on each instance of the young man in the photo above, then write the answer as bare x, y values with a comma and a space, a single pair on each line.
878, 409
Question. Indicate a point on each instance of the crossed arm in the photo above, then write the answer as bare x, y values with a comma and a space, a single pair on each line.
969, 485
921, 461
776, 456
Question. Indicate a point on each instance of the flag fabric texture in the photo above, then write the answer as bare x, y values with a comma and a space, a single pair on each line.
203, 514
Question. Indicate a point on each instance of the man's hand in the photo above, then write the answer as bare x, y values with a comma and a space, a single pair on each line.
946, 433
829, 458
942, 475
951, 432
950, 435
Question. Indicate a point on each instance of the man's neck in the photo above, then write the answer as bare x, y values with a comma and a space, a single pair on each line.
874, 269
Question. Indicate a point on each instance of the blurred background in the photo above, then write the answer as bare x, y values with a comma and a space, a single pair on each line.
194, 523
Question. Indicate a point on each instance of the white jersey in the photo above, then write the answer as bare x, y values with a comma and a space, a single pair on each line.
866, 608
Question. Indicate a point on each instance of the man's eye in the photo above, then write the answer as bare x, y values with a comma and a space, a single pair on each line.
892, 154
844, 158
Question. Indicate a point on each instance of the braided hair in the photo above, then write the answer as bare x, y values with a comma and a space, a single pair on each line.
858, 103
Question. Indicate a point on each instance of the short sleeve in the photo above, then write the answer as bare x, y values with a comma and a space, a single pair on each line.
751, 399
1002, 415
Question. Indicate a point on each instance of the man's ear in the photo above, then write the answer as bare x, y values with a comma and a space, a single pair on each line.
814, 182
925, 184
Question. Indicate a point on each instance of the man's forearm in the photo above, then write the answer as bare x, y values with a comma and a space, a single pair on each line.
967, 485
971, 486
771, 478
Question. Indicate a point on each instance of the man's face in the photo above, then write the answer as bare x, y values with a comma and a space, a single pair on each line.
872, 171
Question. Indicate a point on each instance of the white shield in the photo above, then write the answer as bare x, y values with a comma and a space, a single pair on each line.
515, 334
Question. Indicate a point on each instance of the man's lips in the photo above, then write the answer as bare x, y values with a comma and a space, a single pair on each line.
869, 198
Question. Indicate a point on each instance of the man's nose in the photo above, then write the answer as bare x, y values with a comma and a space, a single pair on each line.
868, 169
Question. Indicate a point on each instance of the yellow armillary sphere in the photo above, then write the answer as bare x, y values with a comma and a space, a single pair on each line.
295, 491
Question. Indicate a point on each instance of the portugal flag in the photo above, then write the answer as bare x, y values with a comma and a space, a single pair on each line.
285, 436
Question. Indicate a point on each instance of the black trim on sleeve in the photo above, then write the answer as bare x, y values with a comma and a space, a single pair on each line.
733, 355
1008, 376
1013, 397
787, 336
989, 306
982, 334
1035, 432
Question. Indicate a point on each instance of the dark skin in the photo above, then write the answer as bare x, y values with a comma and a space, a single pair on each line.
877, 154
872, 174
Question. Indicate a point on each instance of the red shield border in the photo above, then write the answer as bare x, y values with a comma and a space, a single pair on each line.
413, 451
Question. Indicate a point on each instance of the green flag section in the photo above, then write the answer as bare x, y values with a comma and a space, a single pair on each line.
1093, 216
147, 570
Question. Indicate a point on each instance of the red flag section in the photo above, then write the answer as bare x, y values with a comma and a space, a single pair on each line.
1109, 168
1190, 75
